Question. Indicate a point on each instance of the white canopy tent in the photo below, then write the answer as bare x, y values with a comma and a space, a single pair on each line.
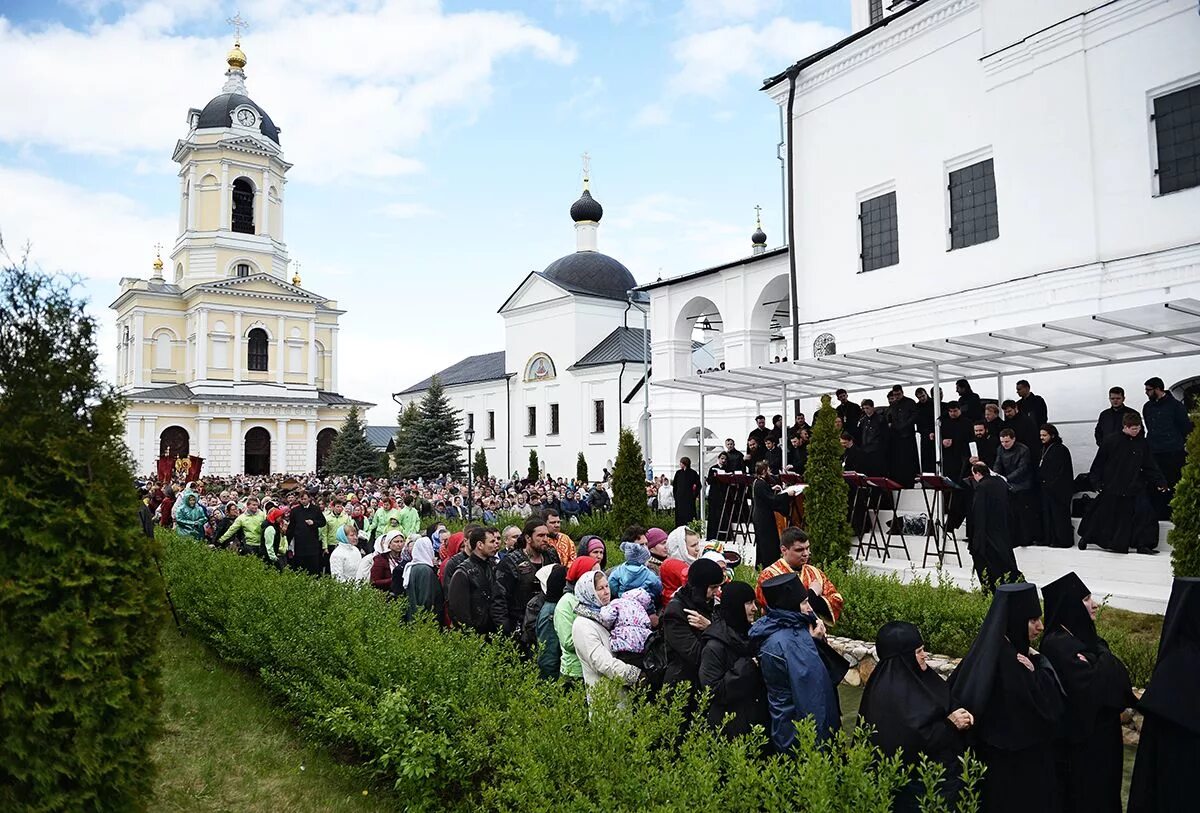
1145, 333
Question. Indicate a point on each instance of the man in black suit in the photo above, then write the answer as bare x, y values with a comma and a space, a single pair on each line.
1032, 405
1110, 420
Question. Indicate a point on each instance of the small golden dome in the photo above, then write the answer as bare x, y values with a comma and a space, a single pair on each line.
296, 279
158, 264
236, 57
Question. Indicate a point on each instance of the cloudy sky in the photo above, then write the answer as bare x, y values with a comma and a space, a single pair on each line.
436, 145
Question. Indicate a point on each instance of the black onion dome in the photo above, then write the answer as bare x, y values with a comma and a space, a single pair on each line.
219, 113
759, 238
590, 272
587, 208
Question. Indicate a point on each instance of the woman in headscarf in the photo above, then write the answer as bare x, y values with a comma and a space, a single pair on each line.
1013, 693
683, 544
593, 546
728, 666
564, 618
419, 582
1090, 753
674, 575
553, 581
1164, 776
191, 516
591, 638
386, 560
345, 558
908, 706
687, 616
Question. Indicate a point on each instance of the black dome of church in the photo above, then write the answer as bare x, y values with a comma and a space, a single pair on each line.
587, 271
219, 113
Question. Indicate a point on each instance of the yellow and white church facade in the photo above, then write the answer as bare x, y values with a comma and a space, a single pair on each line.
229, 360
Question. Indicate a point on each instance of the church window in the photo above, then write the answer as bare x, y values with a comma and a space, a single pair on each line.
531, 421
876, 10
1176, 120
162, 350
471, 421
491, 435
243, 269
256, 352
243, 206
880, 235
554, 419
973, 215
598, 408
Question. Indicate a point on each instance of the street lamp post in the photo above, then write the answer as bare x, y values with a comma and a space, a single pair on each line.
470, 437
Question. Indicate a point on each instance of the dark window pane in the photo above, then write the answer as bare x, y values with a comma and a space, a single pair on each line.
878, 227
1177, 135
256, 350
876, 10
974, 214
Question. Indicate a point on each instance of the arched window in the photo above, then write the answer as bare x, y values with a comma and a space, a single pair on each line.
243, 206
243, 269
256, 353
824, 345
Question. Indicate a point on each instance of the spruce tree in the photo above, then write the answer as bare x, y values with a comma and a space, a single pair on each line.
436, 449
81, 597
404, 458
1185, 510
351, 454
826, 499
581, 472
480, 468
629, 484
534, 471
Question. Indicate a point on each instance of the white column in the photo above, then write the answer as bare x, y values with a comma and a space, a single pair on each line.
310, 453
281, 425
137, 353
280, 350
149, 445
333, 383
202, 430
202, 344
264, 216
191, 201
133, 438
237, 457
225, 215
312, 352
238, 347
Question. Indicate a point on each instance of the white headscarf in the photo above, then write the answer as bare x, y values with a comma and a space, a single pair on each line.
381, 544
422, 554
677, 545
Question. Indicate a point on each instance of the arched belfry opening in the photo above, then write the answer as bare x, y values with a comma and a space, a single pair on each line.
243, 206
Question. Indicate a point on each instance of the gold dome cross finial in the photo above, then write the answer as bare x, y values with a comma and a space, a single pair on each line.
237, 57
296, 273
158, 263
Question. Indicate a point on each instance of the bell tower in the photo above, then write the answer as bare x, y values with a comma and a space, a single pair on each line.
231, 180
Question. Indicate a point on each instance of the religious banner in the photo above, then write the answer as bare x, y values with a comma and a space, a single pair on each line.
194, 465
165, 469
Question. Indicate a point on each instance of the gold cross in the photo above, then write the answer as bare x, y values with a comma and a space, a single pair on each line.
158, 249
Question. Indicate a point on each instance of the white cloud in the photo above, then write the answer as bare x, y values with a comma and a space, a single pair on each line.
616, 10
354, 86
652, 115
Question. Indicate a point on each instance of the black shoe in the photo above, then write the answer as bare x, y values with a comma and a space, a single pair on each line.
1082, 545
1147, 551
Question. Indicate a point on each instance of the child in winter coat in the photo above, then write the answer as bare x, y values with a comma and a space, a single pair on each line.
628, 619
633, 573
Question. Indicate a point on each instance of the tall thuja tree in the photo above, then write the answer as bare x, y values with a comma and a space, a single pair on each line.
629, 484
534, 471
826, 497
436, 449
404, 458
80, 596
581, 472
480, 468
1185, 510
351, 454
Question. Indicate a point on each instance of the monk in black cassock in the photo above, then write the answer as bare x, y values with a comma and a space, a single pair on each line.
988, 537
686, 485
1165, 774
765, 502
908, 705
1090, 753
1122, 517
1013, 694
717, 493
903, 461
1056, 481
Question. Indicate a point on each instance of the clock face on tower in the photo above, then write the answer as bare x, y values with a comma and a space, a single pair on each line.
246, 117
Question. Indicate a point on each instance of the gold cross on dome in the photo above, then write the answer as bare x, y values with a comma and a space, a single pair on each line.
238, 25
587, 169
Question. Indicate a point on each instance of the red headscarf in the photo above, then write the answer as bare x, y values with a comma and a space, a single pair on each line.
450, 547
579, 566
673, 573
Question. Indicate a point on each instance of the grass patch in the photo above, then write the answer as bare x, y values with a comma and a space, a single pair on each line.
226, 746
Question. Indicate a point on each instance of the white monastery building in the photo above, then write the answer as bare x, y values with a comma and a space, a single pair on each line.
229, 360
957, 168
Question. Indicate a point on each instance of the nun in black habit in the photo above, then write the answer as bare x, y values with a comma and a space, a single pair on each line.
1165, 774
718, 515
908, 706
1090, 752
1014, 695
989, 539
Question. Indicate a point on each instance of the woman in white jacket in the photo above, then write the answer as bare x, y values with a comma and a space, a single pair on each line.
591, 637
346, 557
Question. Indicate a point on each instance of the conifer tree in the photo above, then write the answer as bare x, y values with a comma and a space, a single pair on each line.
581, 472
826, 497
436, 449
1185, 510
534, 472
404, 455
480, 468
629, 484
81, 598
351, 454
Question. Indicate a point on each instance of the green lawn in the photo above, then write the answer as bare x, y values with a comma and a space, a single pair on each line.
225, 746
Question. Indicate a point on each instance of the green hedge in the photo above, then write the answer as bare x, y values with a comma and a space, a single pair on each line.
456, 723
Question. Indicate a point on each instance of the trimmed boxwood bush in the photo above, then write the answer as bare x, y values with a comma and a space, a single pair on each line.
457, 723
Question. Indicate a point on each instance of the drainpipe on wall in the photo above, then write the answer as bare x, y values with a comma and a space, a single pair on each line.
645, 368
507, 425
791, 213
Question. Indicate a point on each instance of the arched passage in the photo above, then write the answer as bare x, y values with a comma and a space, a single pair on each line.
699, 327
689, 447
772, 314
324, 444
174, 442
258, 451
1188, 391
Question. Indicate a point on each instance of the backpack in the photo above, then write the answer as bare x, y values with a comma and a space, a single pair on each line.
528, 632
654, 660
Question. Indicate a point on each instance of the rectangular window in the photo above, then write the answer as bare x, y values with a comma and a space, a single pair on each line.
470, 420
554, 419
1177, 139
491, 435
974, 217
531, 423
880, 233
599, 412
876, 10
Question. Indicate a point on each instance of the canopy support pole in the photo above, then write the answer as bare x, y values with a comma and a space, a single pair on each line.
700, 469
937, 421
1000, 392
783, 432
